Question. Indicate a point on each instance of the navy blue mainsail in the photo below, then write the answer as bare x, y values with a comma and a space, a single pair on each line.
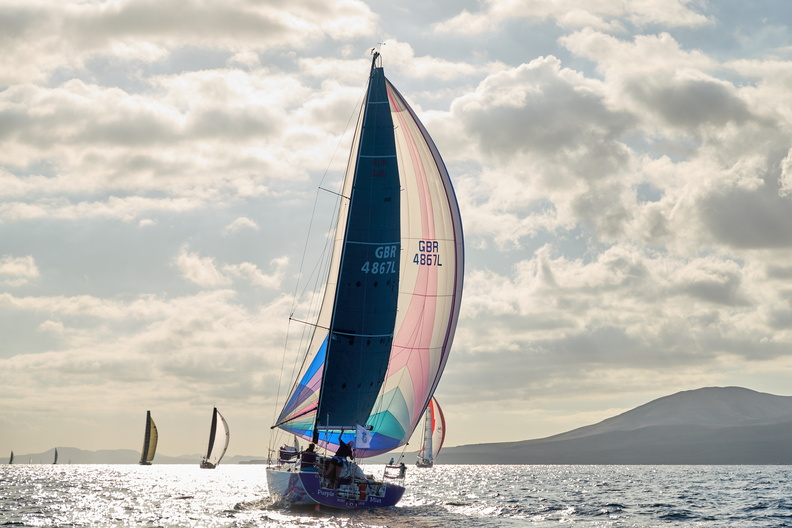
361, 329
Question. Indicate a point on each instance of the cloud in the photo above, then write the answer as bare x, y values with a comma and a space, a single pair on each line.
630, 313
17, 271
205, 272
239, 224
252, 274
553, 145
401, 59
50, 35
200, 270
571, 14
246, 58
189, 140
201, 348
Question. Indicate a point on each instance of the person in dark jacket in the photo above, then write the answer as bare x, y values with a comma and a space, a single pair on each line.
345, 449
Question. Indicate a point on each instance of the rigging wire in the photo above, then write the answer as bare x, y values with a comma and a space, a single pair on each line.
322, 263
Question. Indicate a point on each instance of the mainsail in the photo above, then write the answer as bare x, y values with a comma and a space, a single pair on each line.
433, 435
55, 461
218, 441
11, 458
391, 303
149, 441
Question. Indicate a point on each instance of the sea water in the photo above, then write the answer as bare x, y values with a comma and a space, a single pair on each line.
439, 497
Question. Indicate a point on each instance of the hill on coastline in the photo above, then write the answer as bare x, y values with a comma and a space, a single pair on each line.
713, 425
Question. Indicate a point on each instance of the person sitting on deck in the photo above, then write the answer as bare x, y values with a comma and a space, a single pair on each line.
308, 458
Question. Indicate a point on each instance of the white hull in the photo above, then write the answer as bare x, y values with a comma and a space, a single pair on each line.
286, 488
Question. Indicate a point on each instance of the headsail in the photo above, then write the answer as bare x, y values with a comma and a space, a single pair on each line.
392, 299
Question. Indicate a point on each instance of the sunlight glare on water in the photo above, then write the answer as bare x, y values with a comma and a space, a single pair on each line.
235, 496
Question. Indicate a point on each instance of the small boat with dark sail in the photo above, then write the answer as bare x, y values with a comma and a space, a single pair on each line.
433, 435
150, 438
387, 318
11, 458
218, 441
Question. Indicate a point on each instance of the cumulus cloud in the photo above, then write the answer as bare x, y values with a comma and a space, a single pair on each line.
551, 134
571, 14
50, 35
205, 272
200, 270
240, 224
251, 273
16, 271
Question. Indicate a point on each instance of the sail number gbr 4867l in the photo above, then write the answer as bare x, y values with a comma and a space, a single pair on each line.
428, 253
386, 262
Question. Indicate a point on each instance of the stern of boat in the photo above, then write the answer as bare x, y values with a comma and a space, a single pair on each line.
285, 487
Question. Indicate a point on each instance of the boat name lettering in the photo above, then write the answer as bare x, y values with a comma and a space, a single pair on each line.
428, 253
325, 493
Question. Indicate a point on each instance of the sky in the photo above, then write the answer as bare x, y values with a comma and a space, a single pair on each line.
624, 172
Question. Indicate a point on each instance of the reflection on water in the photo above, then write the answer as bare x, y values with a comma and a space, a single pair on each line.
480, 496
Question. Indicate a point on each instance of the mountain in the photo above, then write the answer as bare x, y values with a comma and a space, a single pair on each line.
712, 425
73, 455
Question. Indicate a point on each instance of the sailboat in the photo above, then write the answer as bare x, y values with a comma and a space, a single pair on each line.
218, 441
56, 456
11, 458
433, 435
388, 313
149, 441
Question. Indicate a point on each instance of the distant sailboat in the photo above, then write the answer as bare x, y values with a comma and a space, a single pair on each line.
218, 436
149, 441
56, 456
434, 435
11, 458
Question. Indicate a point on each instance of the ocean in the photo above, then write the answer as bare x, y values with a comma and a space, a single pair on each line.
477, 496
